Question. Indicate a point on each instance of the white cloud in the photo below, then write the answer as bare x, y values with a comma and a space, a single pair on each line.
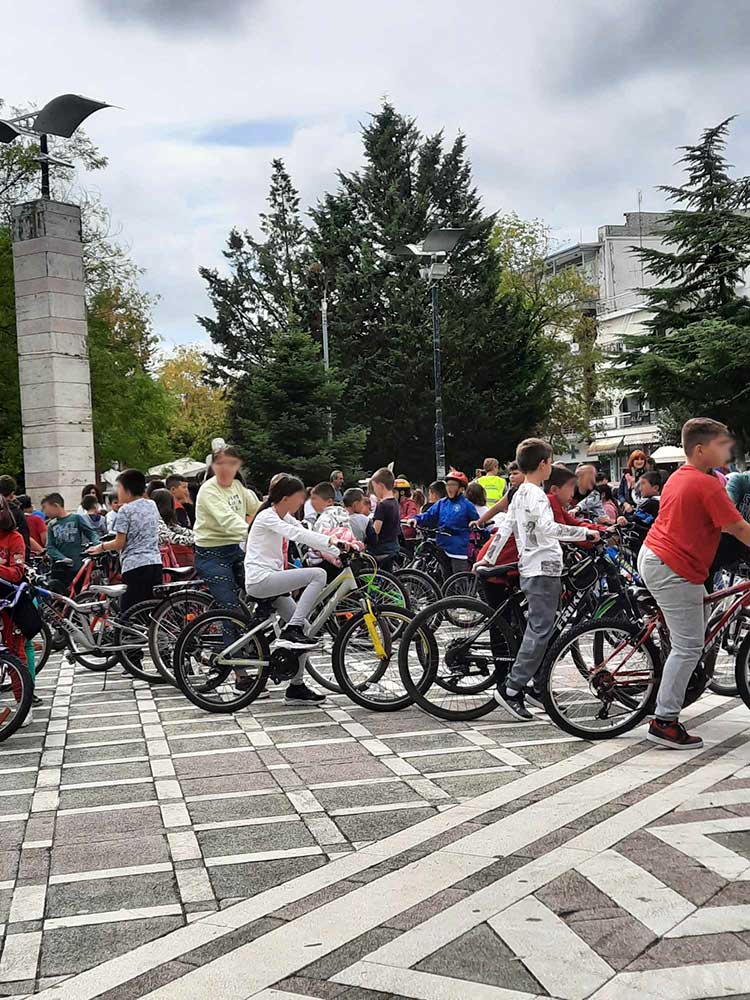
568, 109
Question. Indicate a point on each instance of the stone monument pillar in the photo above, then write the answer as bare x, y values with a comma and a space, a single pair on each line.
53, 362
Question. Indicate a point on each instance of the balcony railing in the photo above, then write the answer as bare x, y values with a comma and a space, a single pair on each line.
622, 421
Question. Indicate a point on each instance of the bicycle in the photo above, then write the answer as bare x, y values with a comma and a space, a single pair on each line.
15, 678
223, 660
452, 664
429, 558
632, 682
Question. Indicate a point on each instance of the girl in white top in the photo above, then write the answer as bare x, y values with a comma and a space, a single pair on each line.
265, 576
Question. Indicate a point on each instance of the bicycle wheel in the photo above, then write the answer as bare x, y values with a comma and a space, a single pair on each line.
365, 660
451, 669
742, 670
421, 589
617, 687
169, 619
16, 689
102, 628
463, 584
138, 662
211, 679
730, 641
42, 648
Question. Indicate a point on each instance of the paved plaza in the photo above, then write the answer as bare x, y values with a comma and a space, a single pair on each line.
152, 850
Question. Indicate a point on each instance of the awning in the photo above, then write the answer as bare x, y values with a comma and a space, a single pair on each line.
605, 446
186, 466
669, 455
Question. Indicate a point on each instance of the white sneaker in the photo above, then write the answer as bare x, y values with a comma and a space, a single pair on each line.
28, 720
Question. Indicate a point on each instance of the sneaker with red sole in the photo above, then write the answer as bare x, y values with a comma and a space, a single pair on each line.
672, 735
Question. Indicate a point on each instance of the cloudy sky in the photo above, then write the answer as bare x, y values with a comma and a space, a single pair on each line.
568, 108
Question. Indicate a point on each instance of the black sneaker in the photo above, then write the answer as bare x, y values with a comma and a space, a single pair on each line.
535, 695
672, 735
294, 638
243, 683
513, 704
36, 700
301, 694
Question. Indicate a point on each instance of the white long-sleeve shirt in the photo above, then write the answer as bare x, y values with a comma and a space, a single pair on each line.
537, 534
265, 544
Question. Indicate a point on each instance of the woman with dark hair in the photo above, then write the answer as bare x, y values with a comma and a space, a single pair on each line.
87, 490
274, 526
628, 492
171, 532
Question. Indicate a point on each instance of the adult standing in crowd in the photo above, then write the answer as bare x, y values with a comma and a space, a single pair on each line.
223, 511
337, 481
492, 482
8, 487
628, 492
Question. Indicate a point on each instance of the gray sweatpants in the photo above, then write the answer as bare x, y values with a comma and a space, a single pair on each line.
681, 603
312, 579
542, 596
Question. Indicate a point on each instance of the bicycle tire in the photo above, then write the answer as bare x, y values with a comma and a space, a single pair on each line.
421, 688
741, 667
97, 664
138, 615
183, 654
421, 589
570, 639
12, 664
168, 620
355, 689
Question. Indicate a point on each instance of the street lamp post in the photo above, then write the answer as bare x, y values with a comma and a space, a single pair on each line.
433, 252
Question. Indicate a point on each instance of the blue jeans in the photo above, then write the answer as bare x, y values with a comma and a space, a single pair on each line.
222, 567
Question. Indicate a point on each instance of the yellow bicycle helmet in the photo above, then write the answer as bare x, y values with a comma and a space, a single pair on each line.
402, 484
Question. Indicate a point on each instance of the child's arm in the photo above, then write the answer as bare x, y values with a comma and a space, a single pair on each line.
498, 542
548, 526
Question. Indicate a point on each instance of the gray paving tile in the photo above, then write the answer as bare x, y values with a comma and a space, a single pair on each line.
99, 895
96, 855
9, 864
73, 949
109, 795
247, 839
454, 761
366, 795
230, 942
368, 767
107, 772
693, 951
79, 754
376, 826
341, 958
242, 881
179, 744
333, 752
244, 808
469, 785
10, 804
480, 956
423, 911
213, 764
243, 781
107, 825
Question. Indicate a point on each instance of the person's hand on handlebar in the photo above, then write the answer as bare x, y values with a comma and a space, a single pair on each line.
94, 550
593, 536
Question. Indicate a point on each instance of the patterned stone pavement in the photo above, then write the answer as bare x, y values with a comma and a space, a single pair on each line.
152, 850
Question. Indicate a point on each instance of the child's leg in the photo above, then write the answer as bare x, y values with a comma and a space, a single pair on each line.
542, 596
681, 603
275, 584
286, 609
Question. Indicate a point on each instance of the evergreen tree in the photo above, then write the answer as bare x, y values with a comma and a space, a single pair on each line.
265, 286
279, 414
380, 320
693, 354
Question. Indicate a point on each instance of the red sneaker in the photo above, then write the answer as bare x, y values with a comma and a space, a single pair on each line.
672, 735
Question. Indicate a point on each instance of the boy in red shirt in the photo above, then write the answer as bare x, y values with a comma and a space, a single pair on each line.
676, 558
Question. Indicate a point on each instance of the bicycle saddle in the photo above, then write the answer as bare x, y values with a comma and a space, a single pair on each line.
493, 572
178, 570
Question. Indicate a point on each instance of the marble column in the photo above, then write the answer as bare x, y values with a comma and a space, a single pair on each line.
53, 362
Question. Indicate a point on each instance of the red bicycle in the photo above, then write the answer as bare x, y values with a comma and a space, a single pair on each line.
601, 677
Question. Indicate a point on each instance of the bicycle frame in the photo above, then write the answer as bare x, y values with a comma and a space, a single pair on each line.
85, 638
331, 596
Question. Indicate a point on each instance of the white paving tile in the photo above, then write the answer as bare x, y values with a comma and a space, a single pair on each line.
109, 873
714, 920
20, 957
113, 916
554, 954
194, 885
419, 985
27, 903
637, 891
693, 982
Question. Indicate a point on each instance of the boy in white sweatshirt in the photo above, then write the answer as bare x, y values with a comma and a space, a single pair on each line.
540, 565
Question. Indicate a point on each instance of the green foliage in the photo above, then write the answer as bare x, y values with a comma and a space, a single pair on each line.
11, 450
279, 414
558, 307
495, 389
131, 408
197, 411
692, 357
264, 289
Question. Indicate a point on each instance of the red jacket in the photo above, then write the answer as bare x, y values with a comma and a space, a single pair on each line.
12, 568
509, 552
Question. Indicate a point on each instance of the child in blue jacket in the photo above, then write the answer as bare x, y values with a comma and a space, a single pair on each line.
455, 512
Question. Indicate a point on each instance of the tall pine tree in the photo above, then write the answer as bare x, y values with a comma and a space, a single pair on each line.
380, 322
693, 355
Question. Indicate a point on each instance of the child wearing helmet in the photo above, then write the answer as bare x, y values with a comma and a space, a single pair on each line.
407, 506
453, 513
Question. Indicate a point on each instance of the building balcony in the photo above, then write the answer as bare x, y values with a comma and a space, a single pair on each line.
623, 421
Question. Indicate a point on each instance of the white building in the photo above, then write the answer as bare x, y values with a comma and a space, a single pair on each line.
627, 420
